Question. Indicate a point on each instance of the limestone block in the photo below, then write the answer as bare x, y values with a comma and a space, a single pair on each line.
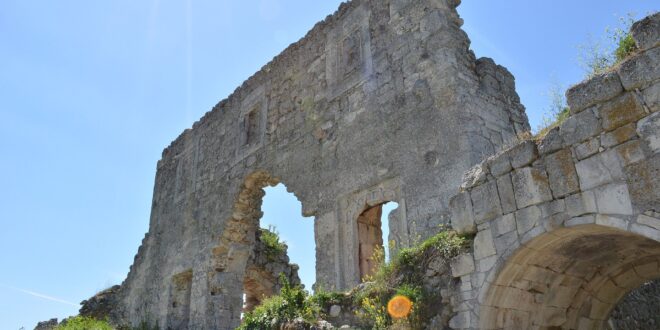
483, 245
527, 219
618, 136
485, 264
506, 241
462, 217
500, 165
597, 170
551, 142
639, 71
507, 198
646, 31
504, 224
587, 148
461, 320
649, 221
613, 199
579, 127
643, 180
581, 203
474, 176
649, 130
651, 97
645, 231
523, 154
335, 310
610, 221
561, 173
485, 202
583, 220
620, 111
630, 152
595, 90
530, 187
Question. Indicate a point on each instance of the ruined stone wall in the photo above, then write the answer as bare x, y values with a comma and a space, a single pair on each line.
382, 101
567, 225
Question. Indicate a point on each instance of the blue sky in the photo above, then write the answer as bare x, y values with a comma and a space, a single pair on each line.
92, 91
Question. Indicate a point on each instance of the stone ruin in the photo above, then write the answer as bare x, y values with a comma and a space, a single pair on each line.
381, 102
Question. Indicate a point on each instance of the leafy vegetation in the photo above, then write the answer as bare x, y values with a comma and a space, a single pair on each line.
404, 275
597, 57
292, 303
271, 239
84, 323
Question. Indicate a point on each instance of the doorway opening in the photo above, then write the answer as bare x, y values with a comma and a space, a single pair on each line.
374, 237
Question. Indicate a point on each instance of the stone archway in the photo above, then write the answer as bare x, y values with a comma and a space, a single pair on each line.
237, 263
570, 278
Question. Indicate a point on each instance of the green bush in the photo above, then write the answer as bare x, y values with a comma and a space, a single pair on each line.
290, 304
271, 239
403, 275
84, 323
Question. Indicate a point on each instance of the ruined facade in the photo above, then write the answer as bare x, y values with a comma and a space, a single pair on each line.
384, 102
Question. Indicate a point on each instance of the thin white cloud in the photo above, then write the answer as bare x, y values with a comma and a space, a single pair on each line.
40, 295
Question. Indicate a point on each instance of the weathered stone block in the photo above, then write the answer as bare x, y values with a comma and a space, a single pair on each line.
613, 199
649, 130
530, 187
500, 165
621, 111
504, 224
644, 183
579, 127
461, 320
507, 198
610, 221
651, 97
648, 221
583, 220
646, 32
595, 90
581, 203
629, 152
527, 218
474, 176
587, 148
483, 245
645, 231
551, 142
523, 154
462, 217
561, 172
618, 136
462, 265
641, 70
602, 168
485, 202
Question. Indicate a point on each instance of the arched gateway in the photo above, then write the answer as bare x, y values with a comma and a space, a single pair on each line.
567, 225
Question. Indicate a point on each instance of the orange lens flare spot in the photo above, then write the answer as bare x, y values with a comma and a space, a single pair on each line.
399, 307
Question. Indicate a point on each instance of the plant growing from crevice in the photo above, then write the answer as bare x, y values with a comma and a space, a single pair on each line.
598, 56
271, 240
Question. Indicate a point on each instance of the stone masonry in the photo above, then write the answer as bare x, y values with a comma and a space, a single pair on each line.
567, 226
382, 101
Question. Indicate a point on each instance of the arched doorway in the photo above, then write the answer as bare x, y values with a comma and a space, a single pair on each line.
570, 278
242, 273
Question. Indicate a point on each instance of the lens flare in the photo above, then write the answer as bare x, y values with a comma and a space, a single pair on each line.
399, 307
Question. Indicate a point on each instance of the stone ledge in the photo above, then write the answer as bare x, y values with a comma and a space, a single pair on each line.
595, 90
